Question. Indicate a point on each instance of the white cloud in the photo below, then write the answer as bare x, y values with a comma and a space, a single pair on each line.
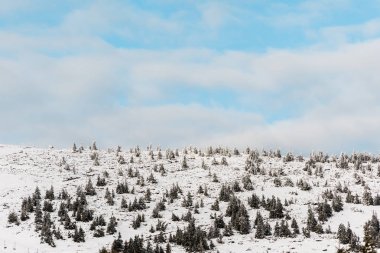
313, 132
338, 35
304, 13
79, 95
214, 15
112, 18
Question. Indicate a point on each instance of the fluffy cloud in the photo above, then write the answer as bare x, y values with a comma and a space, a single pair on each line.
67, 83
49, 100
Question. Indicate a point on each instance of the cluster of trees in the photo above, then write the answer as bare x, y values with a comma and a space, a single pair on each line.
134, 245
68, 209
239, 215
371, 240
194, 238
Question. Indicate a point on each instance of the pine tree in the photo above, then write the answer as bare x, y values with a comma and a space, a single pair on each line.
103, 250
284, 229
94, 147
96, 160
277, 229
295, 227
244, 225
46, 233
367, 198
148, 195
184, 163
24, 210
337, 203
259, 223
306, 232
13, 218
168, 248
89, 189
111, 228
369, 240
341, 234
50, 194
349, 234
37, 193
311, 222
224, 161
81, 235
254, 201
239, 215
324, 211
67, 224
375, 223
228, 230
267, 229
247, 183
215, 206
279, 209
38, 216
117, 245
188, 201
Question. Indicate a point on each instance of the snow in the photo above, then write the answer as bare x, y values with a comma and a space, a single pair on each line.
23, 168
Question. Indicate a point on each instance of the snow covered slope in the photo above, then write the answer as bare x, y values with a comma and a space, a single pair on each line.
22, 169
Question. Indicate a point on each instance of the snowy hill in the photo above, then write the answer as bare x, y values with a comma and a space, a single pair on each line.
188, 183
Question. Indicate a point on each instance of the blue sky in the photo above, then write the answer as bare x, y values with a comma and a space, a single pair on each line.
296, 75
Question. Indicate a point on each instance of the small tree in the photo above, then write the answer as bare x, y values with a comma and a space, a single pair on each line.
89, 189
111, 228
311, 222
295, 227
79, 235
117, 245
13, 218
184, 163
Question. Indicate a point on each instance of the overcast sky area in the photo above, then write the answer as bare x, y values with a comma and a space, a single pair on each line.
295, 75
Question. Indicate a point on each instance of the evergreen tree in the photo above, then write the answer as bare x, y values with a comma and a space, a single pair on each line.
324, 211
260, 229
254, 201
111, 228
295, 227
247, 183
188, 201
311, 222
37, 193
117, 245
367, 198
215, 206
369, 240
184, 163
284, 229
94, 147
38, 216
46, 233
341, 234
228, 230
79, 235
89, 189
337, 203
168, 248
13, 218
277, 229
50, 194
24, 210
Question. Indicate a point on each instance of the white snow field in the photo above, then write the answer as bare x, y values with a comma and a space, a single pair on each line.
24, 168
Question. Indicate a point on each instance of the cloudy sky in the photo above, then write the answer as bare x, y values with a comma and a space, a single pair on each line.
295, 75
